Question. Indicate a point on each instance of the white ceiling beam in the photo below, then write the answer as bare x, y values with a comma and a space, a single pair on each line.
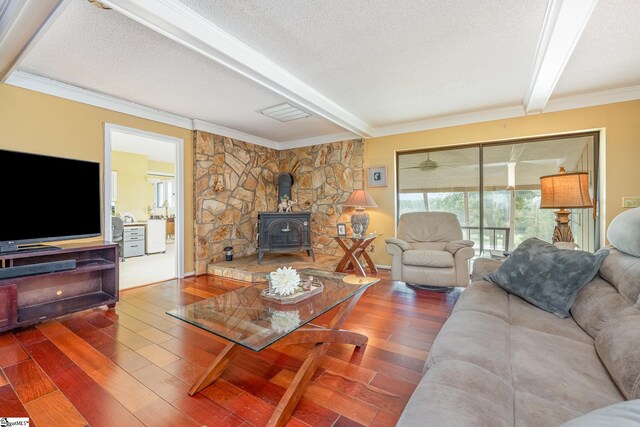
181, 24
564, 23
21, 23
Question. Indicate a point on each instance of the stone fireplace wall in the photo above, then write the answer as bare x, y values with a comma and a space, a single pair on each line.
234, 180
324, 176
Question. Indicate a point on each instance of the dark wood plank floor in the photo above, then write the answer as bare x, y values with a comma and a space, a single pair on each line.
133, 365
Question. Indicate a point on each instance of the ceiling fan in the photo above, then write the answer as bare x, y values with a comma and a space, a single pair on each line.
429, 164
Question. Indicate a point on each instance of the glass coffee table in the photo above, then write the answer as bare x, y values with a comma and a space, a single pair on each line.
246, 319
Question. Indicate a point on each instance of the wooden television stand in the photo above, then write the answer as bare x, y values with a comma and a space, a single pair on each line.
36, 298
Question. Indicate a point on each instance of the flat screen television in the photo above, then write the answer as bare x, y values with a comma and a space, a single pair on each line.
44, 198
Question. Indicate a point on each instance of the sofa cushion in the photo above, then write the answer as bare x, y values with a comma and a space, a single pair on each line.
598, 305
546, 276
624, 232
560, 370
534, 411
623, 414
486, 298
619, 348
456, 393
525, 315
477, 338
623, 272
426, 258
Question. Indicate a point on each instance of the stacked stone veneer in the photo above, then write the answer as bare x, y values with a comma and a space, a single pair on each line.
324, 176
234, 180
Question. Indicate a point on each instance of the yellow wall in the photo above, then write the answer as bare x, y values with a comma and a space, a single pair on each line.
164, 167
44, 124
621, 138
134, 191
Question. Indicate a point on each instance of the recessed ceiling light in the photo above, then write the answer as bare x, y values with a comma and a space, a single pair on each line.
285, 112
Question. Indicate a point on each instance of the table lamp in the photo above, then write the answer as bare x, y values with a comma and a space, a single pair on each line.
564, 190
360, 199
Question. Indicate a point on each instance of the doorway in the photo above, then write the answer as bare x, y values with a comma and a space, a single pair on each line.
143, 177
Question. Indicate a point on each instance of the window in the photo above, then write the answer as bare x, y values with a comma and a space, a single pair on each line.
163, 190
498, 185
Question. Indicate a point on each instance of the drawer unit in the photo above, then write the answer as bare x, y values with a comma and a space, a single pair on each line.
134, 241
134, 233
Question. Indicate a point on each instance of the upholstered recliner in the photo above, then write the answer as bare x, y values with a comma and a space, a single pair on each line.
429, 250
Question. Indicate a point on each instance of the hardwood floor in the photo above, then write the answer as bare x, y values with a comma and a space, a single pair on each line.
133, 365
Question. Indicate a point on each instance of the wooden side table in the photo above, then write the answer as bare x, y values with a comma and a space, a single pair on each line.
358, 248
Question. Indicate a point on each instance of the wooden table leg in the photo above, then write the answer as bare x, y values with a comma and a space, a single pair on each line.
372, 267
322, 337
345, 258
299, 384
214, 370
350, 256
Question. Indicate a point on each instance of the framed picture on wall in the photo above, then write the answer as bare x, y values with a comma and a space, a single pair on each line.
377, 176
341, 228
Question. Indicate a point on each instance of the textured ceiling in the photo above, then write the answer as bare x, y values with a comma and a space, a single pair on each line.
607, 55
391, 62
388, 62
106, 52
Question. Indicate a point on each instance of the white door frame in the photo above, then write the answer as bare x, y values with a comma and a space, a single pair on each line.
179, 225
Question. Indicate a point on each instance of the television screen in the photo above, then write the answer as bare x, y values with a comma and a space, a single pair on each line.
47, 198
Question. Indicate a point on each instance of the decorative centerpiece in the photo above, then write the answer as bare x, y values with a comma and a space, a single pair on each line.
287, 287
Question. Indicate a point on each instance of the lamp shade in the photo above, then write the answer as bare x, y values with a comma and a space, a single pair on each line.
360, 198
565, 190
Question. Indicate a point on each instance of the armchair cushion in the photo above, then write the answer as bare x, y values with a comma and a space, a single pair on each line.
427, 258
455, 245
405, 246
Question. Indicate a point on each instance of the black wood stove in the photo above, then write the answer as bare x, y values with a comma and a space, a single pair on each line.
284, 232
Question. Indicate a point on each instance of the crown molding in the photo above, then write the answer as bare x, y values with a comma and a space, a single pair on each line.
235, 134
624, 94
22, 22
317, 140
181, 24
564, 23
86, 96
452, 120
591, 99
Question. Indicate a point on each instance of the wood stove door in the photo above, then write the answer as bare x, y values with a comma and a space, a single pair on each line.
287, 232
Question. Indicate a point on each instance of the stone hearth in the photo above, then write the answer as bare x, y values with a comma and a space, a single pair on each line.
248, 269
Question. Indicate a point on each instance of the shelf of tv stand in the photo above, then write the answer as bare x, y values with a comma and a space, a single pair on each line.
27, 300
46, 311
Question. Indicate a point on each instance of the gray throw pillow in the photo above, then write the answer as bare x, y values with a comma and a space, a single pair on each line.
545, 276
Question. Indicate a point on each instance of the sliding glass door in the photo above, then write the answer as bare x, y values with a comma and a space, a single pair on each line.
498, 185
445, 181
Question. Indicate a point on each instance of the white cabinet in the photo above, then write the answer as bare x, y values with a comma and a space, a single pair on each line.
156, 236
133, 244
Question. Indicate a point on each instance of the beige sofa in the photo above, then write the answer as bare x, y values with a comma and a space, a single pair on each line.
499, 361
429, 250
